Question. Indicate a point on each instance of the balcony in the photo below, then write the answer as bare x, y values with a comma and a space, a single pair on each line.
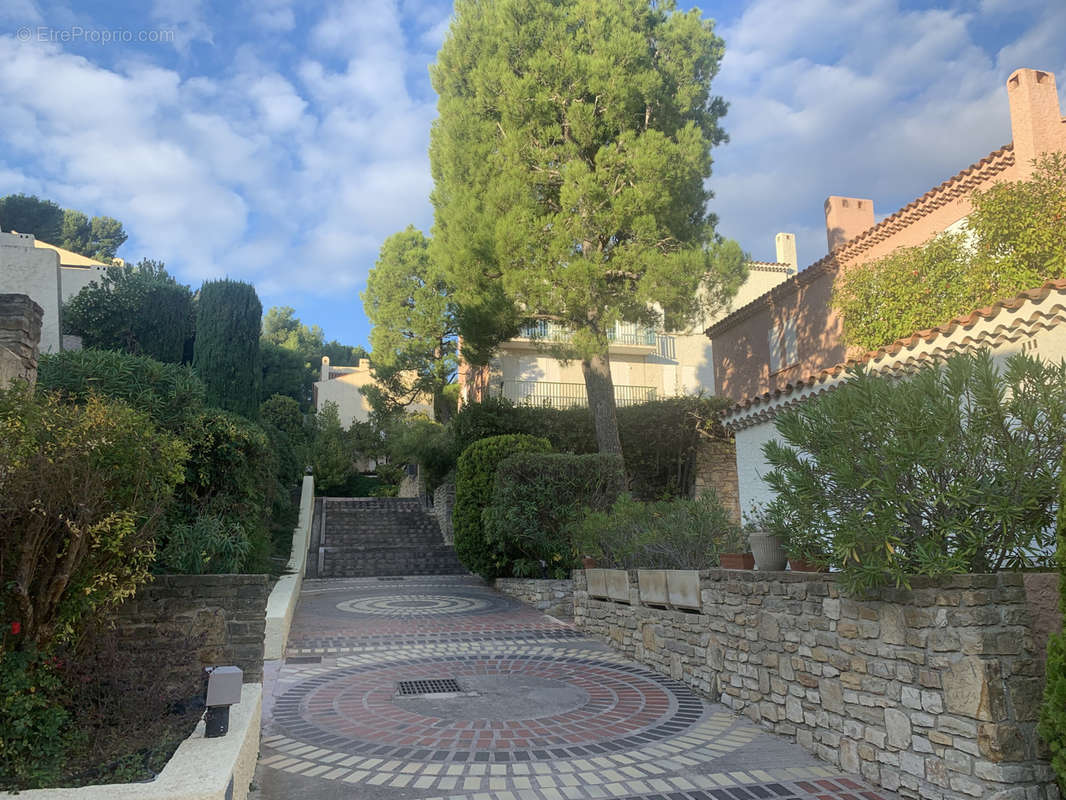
624, 337
567, 395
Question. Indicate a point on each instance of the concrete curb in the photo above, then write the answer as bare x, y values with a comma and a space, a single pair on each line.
200, 769
282, 601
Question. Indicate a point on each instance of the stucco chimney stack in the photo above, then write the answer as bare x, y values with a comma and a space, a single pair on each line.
846, 218
324, 372
786, 249
1035, 117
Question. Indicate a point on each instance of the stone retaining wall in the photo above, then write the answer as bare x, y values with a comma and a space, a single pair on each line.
20, 336
716, 468
932, 692
554, 597
225, 615
443, 508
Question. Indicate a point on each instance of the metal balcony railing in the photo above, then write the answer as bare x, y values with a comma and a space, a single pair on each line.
622, 333
568, 395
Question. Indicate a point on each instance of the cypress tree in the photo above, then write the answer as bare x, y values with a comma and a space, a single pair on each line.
226, 353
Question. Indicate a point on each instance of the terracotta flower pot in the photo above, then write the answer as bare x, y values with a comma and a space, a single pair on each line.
802, 565
736, 560
588, 562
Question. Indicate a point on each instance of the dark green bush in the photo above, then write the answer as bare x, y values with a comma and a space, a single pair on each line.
659, 439
535, 497
226, 355
35, 727
207, 545
954, 470
668, 534
475, 477
170, 394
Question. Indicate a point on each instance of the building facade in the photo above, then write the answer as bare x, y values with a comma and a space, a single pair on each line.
646, 364
790, 333
344, 386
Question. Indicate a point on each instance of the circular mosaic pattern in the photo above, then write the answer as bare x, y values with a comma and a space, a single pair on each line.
589, 706
413, 605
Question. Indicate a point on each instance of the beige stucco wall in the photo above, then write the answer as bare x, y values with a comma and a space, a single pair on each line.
346, 391
25, 269
73, 279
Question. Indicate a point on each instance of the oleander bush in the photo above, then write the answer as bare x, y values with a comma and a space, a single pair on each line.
952, 470
667, 534
1052, 726
535, 499
475, 476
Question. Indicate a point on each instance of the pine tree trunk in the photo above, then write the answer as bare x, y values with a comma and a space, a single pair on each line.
600, 390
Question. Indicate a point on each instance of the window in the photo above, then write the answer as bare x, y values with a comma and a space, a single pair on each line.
783, 352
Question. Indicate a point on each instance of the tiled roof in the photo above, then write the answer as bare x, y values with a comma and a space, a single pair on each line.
771, 266
960, 184
893, 360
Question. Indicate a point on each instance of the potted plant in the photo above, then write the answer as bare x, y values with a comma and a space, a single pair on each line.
733, 551
768, 549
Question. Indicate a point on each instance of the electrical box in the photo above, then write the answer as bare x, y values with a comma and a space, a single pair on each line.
224, 686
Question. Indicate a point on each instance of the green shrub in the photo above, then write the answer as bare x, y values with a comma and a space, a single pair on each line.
332, 453
205, 546
659, 439
417, 440
1013, 242
134, 309
35, 728
668, 534
475, 477
226, 354
1052, 726
82, 489
535, 497
170, 394
953, 470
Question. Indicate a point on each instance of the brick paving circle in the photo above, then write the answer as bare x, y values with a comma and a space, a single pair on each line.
413, 605
355, 710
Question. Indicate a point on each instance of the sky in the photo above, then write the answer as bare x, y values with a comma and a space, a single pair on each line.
281, 142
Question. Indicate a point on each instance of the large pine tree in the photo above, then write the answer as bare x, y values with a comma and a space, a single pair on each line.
226, 353
570, 161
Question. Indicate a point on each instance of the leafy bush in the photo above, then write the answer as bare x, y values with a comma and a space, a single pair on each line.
418, 440
170, 394
207, 545
81, 492
1013, 242
953, 470
668, 534
535, 497
332, 454
659, 439
475, 477
35, 728
283, 422
135, 309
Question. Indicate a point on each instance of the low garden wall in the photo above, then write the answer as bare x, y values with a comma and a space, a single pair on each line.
932, 692
223, 616
282, 601
554, 597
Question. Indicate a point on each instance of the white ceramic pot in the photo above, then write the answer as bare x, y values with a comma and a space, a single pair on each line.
770, 555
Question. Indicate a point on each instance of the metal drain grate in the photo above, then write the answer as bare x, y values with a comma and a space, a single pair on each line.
432, 686
303, 660
390, 579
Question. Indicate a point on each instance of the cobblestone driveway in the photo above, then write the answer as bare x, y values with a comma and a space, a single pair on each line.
528, 710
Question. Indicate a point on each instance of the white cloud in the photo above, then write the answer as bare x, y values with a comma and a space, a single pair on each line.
862, 99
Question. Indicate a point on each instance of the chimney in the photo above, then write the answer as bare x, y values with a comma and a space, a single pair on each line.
1035, 118
786, 249
846, 218
324, 376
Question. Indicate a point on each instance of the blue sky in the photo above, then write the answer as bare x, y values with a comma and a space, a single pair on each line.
280, 143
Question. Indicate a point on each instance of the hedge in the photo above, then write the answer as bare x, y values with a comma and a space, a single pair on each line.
535, 498
475, 477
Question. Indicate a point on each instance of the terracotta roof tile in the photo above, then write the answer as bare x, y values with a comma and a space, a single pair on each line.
1011, 330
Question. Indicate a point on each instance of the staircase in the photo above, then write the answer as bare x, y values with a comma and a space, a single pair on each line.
380, 537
